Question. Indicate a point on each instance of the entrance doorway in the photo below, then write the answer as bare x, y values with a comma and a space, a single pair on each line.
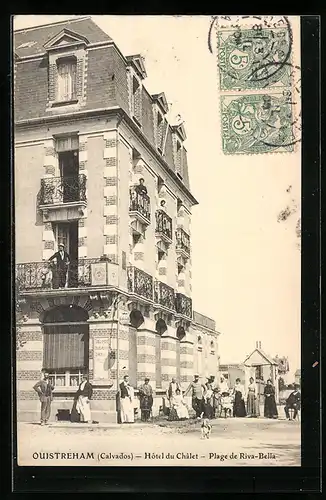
69, 170
67, 233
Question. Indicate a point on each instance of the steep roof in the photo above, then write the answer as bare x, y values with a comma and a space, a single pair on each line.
269, 359
30, 41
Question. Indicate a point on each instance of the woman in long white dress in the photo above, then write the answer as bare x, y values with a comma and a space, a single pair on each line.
179, 407
127, 403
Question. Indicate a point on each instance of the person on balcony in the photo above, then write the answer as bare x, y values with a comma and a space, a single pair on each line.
141, 188
62, 265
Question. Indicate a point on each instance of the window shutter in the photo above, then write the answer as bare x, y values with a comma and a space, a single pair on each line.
65, 347
79, 79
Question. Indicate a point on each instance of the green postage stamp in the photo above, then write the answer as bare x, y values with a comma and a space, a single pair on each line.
255, 58
257, 123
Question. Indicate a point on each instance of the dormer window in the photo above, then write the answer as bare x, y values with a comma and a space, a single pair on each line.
67, 79
67, 59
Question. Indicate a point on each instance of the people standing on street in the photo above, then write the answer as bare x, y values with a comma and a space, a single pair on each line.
83, 396
270, 410
127, 401
197, 390
293, 402
208, 397
146, 400
252, 399
239, 409
171, 390
44, 389
179, 410
62, 265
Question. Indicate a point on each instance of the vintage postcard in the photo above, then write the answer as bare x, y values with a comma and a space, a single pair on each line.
157, 172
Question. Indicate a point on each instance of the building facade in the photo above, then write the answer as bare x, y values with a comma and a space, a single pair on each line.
99, 169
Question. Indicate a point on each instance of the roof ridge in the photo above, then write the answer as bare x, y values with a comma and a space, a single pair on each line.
71, 20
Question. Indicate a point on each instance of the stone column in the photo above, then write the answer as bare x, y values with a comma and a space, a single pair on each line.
50, 172
168, 360
29, 364
146, 360
82, 222
111, 215
186, 360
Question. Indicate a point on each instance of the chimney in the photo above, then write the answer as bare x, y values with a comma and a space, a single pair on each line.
259, 345
256, 345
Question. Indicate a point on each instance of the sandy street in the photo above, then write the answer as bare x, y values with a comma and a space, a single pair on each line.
248, 442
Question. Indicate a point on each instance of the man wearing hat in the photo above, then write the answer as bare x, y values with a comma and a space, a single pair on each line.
197, 390
62, 265
146, 400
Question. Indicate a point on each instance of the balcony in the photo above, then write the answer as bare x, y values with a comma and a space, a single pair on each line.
183, 305
164, 295
63, 198
44, 275
139, 207
183, 243
163, 228
140, 282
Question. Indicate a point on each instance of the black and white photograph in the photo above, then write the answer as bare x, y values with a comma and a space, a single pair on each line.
157, 167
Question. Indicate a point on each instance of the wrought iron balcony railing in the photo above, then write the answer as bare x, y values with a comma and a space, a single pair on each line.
164, 295
56, 190
139, 202
46, 275
140, 282
163, 224
183, 305
183, 241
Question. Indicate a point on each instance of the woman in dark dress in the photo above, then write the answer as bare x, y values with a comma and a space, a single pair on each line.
270, 410
239, 409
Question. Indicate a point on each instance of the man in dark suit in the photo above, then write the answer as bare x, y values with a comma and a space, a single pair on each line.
44, 390
293, 402
63, 262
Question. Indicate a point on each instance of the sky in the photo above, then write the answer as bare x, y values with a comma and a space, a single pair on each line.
245, 264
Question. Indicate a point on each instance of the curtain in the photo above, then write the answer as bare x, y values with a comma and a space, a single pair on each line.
65, 347
67, 80
69, 143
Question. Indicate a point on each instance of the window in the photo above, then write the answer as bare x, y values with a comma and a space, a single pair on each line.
67, 76
136, 103
179, 159
160, 130
65, 345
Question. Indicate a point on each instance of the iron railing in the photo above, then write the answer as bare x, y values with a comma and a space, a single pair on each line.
182, 240
46, 276
139, 202
63, 189
164, 295
140, 282
183, 305
163, 223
